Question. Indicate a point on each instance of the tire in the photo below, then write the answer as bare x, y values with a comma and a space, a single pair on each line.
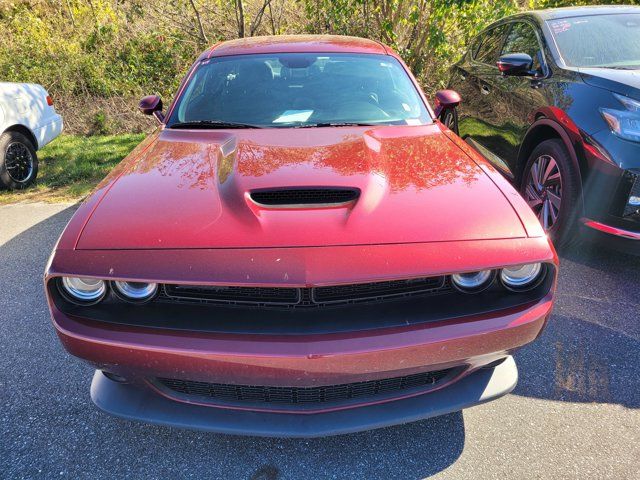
550, 184
18, 161
449, 119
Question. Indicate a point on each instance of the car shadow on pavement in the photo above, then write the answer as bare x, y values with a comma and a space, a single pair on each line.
416, 450
578, 361
589, 350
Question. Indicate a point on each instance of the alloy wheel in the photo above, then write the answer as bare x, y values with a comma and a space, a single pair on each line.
543, 192
18, 162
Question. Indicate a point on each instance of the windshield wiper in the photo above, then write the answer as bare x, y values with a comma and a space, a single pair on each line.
338, 124
212, 124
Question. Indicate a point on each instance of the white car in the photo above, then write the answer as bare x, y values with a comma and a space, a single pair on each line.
28, 122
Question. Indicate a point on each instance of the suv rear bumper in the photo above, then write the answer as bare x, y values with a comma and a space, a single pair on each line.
142, 403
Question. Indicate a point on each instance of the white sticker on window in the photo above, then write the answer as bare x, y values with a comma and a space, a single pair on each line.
294, 116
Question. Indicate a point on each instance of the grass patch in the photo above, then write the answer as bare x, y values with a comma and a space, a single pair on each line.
476, 128
71, 165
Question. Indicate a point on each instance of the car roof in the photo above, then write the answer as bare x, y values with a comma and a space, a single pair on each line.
568, 12
295, 43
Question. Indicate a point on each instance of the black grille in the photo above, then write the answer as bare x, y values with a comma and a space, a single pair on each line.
364, 291
305, 297
303, 395
304, 196
283, 296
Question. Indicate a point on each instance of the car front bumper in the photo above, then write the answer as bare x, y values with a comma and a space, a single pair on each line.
319, 349
140, 353
470, 345
139, 403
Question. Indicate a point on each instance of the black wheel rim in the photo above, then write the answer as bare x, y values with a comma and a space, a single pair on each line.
19, 162
543, 191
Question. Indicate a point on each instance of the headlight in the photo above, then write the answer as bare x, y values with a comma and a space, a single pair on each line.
135, 291
83, 290
472, 282
624, 123
521, 277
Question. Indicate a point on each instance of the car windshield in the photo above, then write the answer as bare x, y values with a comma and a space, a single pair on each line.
606, 41
299, 90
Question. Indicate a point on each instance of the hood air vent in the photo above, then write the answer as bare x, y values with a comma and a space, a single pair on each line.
296, 197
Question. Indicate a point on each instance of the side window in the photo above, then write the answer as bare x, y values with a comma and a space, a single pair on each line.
490, 45
522, 39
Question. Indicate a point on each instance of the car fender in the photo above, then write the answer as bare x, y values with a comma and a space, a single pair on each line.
557, 120
26, 131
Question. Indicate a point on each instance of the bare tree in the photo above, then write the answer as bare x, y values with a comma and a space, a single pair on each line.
240, 17
255, 24
196, 13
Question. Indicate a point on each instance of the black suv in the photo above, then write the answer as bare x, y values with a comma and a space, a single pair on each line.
552, 99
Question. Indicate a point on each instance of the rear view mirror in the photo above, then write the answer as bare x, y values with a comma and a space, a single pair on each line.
446, 103
152, 105
446, 99
516, 65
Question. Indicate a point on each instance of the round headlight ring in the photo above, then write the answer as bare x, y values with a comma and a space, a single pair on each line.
520, 278
135, 292
82, 290
473, 282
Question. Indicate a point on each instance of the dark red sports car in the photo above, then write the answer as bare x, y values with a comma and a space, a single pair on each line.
300, 249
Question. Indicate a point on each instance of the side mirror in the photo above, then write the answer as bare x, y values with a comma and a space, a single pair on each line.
516, 65
152, 105
445, 100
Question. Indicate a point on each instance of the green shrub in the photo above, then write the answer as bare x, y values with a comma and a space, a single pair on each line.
97, 56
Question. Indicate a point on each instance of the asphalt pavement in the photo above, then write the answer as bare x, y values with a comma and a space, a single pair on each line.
574, 414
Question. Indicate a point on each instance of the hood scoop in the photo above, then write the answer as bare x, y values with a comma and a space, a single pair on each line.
308, 197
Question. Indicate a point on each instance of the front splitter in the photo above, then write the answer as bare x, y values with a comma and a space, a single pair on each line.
136, 403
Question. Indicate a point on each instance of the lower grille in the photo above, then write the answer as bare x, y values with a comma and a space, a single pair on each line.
633, 210
305, 297
303, 395
629, 186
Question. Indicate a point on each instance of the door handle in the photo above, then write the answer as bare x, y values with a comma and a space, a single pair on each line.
484, 90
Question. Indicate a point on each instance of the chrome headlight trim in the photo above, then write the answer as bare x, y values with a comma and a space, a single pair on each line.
82, 290
520, 278
473, 282
135, 292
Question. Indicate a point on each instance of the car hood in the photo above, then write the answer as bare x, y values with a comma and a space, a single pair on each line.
190, 189
626, 82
